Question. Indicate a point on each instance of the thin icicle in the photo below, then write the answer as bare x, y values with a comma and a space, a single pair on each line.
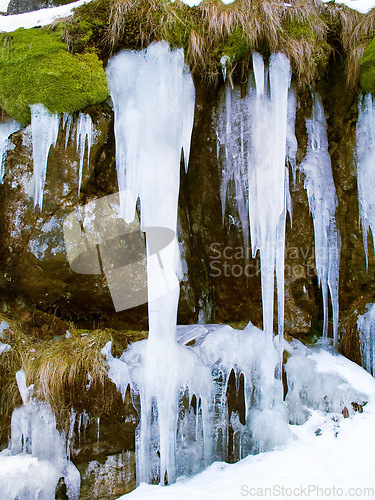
45, 129
365, 157
321, 194
6, 130
67, 123
84, 135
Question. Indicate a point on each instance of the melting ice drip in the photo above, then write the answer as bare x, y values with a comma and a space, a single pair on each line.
322, 199
253, 135
365, 156
45, 129
6, 130
366, 331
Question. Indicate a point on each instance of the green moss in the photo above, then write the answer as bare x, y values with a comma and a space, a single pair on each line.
235, 47
368, 68
35, 66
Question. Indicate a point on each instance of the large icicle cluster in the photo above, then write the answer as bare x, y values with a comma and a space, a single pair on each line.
255, 138
321, 194
365, 156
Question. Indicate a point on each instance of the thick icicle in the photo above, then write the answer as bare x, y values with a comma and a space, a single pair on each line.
84, 135
322, 199
67, 123
6, 129
45, 129
149, 137
365, 156
268, 177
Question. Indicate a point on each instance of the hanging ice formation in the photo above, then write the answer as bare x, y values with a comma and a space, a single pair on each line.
6, 129
366, 331
365, 157
39, 448
45, 129
84, 135
149, 137
322, 200
253, 139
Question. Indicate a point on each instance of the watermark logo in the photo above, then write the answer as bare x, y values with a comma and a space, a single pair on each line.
98, 240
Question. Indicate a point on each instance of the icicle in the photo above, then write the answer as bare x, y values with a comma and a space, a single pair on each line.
366, 330
6, 130
149, 137
268, 178
84, 134
365, 158
322, 199
45, 129
67, 122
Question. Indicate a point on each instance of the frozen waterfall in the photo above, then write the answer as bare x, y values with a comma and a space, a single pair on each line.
150, 136
321, 194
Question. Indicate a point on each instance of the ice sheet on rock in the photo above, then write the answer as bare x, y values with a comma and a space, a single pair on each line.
321, 194
366, 331
84, 136
187, 333
6, 130
45, 129
118, 370
365, 159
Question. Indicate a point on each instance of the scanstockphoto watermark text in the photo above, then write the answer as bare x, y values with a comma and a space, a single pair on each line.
236, 262
305, 491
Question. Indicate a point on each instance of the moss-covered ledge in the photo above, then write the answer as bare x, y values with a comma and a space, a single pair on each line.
36, 67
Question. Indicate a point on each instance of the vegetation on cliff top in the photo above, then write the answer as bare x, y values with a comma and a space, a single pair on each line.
36, 67
60, 66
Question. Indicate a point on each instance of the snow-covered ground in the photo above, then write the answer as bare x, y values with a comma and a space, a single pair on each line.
328, 457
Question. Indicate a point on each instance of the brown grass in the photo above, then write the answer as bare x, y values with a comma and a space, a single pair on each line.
363, 31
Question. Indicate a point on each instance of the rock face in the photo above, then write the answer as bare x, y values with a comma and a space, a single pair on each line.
217, 286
